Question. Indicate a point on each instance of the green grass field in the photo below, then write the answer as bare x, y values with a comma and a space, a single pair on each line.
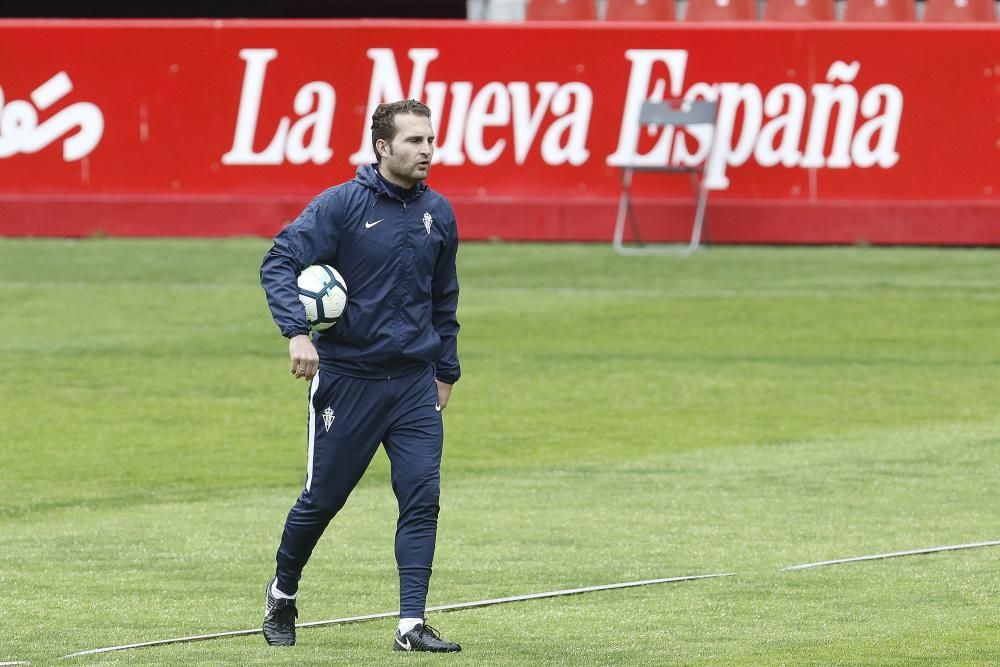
618, 419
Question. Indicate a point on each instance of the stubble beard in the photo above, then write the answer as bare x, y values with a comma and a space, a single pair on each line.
411, 175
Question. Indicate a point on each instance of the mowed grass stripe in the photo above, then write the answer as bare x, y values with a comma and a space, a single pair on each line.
973, 292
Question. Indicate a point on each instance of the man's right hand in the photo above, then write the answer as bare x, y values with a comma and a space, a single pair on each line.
305, 360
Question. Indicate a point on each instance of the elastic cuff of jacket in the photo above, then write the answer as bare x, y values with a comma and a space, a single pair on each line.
448, 379
298, 332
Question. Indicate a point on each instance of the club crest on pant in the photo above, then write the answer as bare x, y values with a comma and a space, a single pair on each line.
427, 221
328, 418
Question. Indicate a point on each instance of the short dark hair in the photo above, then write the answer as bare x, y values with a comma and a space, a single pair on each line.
384, 120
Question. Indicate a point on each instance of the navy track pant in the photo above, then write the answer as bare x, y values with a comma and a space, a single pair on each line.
348, 418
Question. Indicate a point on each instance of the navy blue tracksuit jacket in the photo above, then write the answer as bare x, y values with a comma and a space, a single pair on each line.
397, 257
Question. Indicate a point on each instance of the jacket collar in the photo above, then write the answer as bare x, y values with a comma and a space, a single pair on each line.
369, 177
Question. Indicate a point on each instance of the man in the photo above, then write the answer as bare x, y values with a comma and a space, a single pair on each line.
385, 371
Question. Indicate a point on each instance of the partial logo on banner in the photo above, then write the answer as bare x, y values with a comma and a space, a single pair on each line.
80, 125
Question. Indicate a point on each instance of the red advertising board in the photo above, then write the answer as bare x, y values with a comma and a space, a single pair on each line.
826, 133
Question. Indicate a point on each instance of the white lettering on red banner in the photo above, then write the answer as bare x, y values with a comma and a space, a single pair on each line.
20, 131
314, 104
217, 128
771, 126
781, 111
495, 105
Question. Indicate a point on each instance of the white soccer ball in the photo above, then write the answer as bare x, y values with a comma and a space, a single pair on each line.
324, 294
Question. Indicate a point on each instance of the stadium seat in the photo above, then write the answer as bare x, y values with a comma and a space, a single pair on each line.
560, 10
640, 10
959, 11
879, 11
679, 114
799, 10
721, 10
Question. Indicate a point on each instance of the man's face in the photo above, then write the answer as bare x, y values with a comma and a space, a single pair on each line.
407, 159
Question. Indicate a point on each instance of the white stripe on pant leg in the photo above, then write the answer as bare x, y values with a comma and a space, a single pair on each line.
312, 431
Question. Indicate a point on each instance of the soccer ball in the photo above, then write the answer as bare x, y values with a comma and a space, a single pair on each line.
324, 294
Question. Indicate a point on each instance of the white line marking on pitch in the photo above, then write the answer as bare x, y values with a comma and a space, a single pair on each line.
519, 598
389, 614
894, 554
4, 664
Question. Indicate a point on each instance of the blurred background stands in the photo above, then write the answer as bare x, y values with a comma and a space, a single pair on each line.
736, 10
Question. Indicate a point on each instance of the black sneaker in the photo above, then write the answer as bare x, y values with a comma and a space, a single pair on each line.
279, 619
424, 638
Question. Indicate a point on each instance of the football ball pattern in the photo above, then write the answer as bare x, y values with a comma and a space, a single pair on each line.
323, 292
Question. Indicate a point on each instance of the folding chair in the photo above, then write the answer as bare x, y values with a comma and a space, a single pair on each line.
678, 113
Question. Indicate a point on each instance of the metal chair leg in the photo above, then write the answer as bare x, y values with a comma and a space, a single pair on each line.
624, 209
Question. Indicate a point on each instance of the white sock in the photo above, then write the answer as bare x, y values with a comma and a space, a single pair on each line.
278, 594
407, 624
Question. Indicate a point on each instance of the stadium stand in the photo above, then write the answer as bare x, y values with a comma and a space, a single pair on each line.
879, 11
959, 11
799, 10
640, 10
453, 9
721, 10
560, 10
